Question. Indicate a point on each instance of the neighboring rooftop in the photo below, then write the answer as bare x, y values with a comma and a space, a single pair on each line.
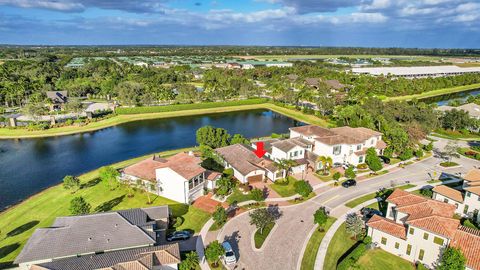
146, 258
473, 176
288, 144
388, 226
71, 236
243, 159
449, 192
338, 135
416, 71
468, 241
58, 96
185, 164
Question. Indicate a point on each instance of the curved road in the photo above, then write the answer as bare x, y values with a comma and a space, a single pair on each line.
282, 250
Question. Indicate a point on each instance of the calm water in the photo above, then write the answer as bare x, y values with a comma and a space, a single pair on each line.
445, 99
29, 165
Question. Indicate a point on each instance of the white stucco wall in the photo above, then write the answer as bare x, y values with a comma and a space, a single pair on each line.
173, 185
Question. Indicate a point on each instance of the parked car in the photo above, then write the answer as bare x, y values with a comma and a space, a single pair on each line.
337, 165
349, 183
385, 159
370, 212
229, 257
179, 235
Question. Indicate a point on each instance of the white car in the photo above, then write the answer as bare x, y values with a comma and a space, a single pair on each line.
229, 256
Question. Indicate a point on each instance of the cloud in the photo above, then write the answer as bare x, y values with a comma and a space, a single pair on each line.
140, 6
312, 6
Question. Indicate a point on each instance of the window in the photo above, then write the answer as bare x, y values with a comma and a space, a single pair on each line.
372, 141
425, 236
445, 200
359, 147
438, 240
301, 152
409, 249
469, 194
421, 254
337, 149
465, 210
411, 231
360, 159
384, 241
397, 245
190, 184
456, 206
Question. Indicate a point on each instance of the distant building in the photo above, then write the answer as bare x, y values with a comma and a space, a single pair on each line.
471, 108
416, 72
58, 99
76, 236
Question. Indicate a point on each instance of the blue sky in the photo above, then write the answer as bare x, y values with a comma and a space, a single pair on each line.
369, 23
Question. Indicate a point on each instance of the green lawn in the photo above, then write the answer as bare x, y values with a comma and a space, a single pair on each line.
371, 196
238, 196
285, 190
448, 164
434, 93
454, 135
41, 209
378, 259
259, 238
341, 243
308, 260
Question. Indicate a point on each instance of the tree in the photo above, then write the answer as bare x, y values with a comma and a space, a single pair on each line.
372, 160
79, 206
213, 137
129, 93
152, 188
257, 194
456, 119
238, 138
74, 106
428, 147
214, 252
109, 175
223, 186
190, 262
285, 165
350, 173
326, 163
261, 218
451, 150
71, 182
452, 259
419, 153
220, 215
303, 188
320, 217
354, 225
336, 176
406, 154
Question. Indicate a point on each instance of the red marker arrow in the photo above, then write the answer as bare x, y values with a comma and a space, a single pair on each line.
260, 151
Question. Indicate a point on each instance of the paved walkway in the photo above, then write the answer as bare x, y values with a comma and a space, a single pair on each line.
208, 204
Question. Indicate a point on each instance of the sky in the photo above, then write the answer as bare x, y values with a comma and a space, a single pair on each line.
363, 23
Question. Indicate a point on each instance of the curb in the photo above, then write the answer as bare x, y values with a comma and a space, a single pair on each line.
252, 239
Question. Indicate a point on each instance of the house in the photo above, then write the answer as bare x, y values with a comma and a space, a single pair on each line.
467, 199
76, 236
292, 77
179, 178
165, 257
335, 85
312, 82
418, 229
342, 144
247, 167
297, 149
58, 99
471, 108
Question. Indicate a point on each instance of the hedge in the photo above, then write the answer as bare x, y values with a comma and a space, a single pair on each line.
353, 257
193, 106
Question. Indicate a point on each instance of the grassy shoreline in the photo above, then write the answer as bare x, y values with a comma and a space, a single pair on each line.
6, 133
435, 93
41, 209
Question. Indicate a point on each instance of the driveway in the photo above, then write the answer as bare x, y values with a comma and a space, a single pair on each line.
282, 251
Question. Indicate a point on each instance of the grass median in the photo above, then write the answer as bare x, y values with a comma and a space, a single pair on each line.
310, 255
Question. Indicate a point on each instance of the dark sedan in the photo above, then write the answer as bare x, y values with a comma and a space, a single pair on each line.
178, 235
349, 183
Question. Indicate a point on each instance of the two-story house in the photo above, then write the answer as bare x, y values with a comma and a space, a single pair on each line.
342, 144
179, 178
466, 199
418, 229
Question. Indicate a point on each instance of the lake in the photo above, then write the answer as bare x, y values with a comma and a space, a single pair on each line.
28, 166
445, 99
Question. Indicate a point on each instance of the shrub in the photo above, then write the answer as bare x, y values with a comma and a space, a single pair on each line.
228, 172
350, 173
405, 155
220, 215
303, 188
477, 156
419, 153
476, 148
362, 166
428, 147
69, 122
427, 192
257, 195
337, 176
352, 258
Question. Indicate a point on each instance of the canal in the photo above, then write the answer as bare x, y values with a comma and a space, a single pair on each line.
445, 99
28, 166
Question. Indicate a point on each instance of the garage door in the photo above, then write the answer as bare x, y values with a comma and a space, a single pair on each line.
255, 178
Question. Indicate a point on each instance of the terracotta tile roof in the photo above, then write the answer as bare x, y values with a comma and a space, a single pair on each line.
388, 226
312, 81
473, 175
186, 165
468, 241
381, 145
474, 189
211, 175
338, 135
361, 152
360, 133
288, 144
402, 198
335, 84
449, 193
436, 224
311, 130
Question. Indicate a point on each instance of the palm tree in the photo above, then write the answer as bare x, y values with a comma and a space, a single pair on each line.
285, 165
326, 163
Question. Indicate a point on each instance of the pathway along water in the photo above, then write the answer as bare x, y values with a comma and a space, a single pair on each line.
28, 166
